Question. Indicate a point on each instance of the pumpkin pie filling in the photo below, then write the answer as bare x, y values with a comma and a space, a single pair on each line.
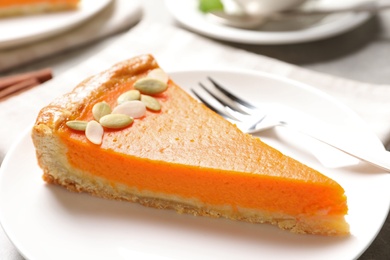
184, 157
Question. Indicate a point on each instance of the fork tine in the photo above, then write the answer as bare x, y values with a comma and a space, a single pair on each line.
234, 107
241, 120
209, 105
231, 95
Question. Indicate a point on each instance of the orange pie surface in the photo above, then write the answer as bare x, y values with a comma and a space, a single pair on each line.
184, 157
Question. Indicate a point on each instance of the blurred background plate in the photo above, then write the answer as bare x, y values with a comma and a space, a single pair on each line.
285, 31
18, 30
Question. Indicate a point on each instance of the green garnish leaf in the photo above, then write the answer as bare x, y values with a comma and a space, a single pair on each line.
210, 5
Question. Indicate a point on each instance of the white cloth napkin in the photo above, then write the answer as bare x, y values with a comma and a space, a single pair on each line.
176, 49
117, 17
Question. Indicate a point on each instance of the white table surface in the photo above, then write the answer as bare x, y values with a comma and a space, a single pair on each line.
362, 54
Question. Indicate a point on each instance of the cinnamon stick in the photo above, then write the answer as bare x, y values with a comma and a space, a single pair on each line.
40, 75
28, 83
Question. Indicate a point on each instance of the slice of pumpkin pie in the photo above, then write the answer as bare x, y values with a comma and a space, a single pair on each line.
130, 133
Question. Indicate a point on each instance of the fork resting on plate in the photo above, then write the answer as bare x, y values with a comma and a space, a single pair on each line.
250, 119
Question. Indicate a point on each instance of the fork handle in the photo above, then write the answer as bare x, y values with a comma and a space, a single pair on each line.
380, 158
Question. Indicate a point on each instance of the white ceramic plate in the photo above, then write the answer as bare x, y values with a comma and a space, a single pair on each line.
16, 31
286, 31
48, 222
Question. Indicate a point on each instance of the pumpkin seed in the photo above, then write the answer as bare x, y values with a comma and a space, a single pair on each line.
94, 132
77, 125
150, 86
100, 109
116, 121
134, 109
158, 74
129, 95
151, 103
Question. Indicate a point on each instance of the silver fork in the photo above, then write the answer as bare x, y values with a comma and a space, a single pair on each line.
250, 119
